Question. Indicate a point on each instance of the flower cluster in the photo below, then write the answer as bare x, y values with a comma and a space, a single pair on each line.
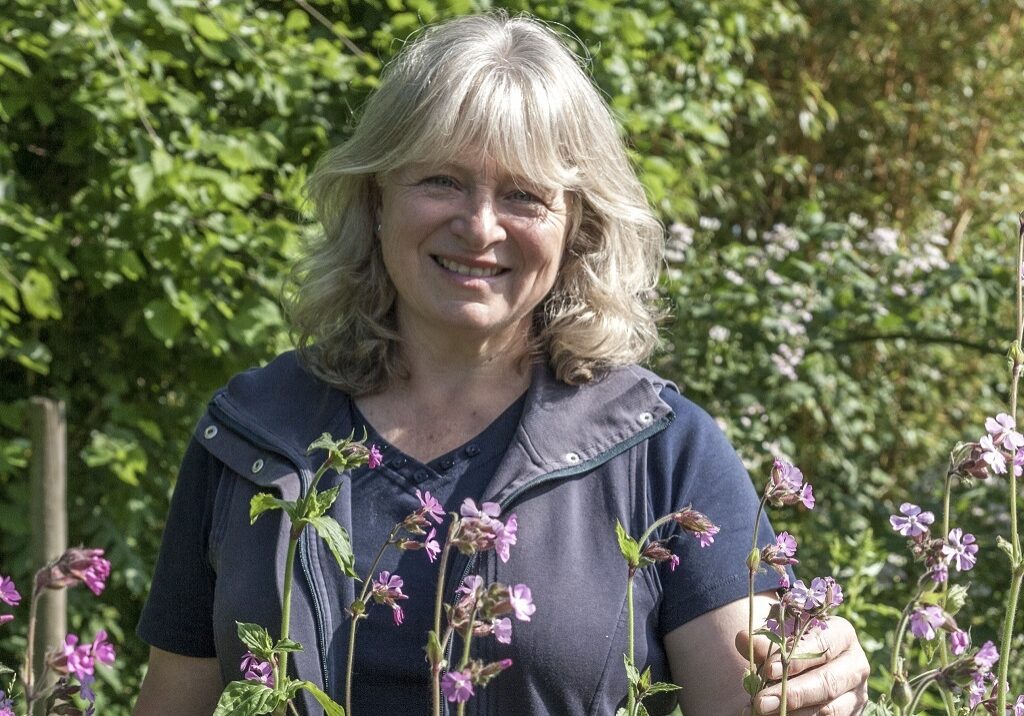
1000, 448
804, 607
417, 522
387, 589
79, 660
6, 705
8, 595
786, 486
779, 555
77, 565
457, 686
958, 549
255, 669
480, 529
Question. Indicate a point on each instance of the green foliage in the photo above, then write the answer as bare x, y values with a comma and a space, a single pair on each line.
244, 698
151, 167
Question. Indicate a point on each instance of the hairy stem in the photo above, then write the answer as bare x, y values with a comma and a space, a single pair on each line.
286, 603
435, 669
750, 598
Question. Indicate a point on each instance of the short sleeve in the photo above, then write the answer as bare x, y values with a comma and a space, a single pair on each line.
693, 464
178, 614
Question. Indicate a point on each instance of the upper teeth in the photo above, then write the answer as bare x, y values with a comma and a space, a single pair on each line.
468, 270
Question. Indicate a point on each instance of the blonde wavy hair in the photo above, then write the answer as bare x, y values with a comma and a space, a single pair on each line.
509, 87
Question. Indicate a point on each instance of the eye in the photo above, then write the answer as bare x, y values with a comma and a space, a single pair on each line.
441, 180
523, 195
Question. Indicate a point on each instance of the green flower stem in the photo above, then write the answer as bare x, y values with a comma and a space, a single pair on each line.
281, 670
435, 669
357, 617
750, 597
1018, 563
785, 657
901, 631
1007, 640
923, 682
631, 697
947, 697
466, 639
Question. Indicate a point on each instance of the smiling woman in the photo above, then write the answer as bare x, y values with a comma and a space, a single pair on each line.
477, 303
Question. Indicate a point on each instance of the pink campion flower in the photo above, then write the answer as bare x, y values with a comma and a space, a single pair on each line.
103, 650
697, 524
1018, 463
456, 686
8, 593
786, 486
503, 630
255, 669
483, 513
976, 691
4, 618
430, 506
833, 593
6, 705
772, 625
1018, 706
72, 658
387, 589
912, 522
779, 555
986, 657
806, 496
992, 455
521, 600
959, 642
505, 536
960, 549
1003, 430
808, 598
924, 621
673, 562
431, 545
74, 566
471, 587
374, 457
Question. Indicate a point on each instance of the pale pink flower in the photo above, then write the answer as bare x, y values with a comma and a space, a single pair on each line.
255, 669
959, 642
8, 593
505, 536
521, 600
913, 522
960, 549
374, 457
456, 686
503, 630
924, 621
430, 506
1003, 430
430, 544
992, 455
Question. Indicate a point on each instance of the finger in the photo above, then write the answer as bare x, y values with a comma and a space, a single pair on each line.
821, 643
846, 705
846, 673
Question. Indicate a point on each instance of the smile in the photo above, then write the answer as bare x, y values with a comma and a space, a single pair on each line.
464, 270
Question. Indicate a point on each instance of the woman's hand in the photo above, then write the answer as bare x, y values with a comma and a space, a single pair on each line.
834, 684
708, 656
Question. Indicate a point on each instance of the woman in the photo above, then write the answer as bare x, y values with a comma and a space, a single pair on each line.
478, 303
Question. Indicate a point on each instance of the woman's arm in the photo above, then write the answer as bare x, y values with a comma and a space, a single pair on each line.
178, 685
707, 658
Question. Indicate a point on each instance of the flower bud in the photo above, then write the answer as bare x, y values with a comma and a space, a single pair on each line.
901, 691
754, 559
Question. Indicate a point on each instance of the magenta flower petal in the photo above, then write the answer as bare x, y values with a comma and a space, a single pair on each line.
8, 593
456, 686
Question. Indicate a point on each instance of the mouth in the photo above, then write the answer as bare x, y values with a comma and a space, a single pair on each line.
471, 271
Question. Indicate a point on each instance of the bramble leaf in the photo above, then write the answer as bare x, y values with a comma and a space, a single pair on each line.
338, 542
246, 698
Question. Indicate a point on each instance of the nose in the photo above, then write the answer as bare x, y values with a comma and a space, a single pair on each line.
480, 222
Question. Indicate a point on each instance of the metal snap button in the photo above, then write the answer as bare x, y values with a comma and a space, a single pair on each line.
572, 458
472, 450
257, 466
398, 462
422, 475
210, 432
646, 418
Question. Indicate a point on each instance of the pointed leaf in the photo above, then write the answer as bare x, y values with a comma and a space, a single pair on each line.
631, 673
264, 501
256, 638
956, 598
287, 645
627, 545
246, 698
338, 542
770, 636
751, 682
322, 501
330, 708
660, 686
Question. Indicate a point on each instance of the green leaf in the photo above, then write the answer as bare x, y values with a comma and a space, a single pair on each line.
876, 709
163, 320
4, 669
141, 176
338, 542
752, 682
288, 645
660, 686
13, 59
808, 655
1006, 546
631, 673
434, 651
330, 708
208, 28
956, 598
257, 639
627, 545
770, 636
39, 295
296, 20
264, 501
322, 502
246, 698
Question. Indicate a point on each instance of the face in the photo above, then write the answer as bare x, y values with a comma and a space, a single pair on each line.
471, 249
